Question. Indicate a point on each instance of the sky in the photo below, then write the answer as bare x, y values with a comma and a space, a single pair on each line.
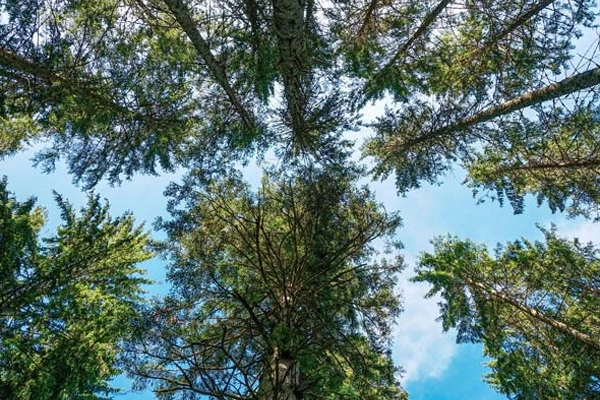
435, 367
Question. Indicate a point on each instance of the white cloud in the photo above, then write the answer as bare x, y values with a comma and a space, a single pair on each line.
585, 230
421, 347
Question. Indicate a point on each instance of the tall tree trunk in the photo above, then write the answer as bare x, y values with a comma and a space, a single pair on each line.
364, 25
585, 164
425, 24
285, 377
182, 16
535, 314
549, 92
291, 25
516, 23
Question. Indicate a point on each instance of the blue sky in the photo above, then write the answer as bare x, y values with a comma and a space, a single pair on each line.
435, 367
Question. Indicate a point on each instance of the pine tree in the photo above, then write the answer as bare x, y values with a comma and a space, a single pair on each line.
66, 300
482, 83
276, 294
533, 306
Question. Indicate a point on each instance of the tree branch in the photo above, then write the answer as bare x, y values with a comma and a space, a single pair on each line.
183, 17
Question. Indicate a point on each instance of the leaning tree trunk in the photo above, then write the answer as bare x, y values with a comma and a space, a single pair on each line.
425, 25
183, 17
552, 91
514, 25
535, 314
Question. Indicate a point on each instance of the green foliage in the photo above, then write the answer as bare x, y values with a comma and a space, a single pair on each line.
285, 279
66, 301
533, 306
120, 87
486, 83
114, 92
285, 275
557, 160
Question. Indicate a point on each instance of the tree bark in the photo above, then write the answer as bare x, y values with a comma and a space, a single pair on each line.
291, 30
425, 24
368, 18
569, 165
519, 21
286, 377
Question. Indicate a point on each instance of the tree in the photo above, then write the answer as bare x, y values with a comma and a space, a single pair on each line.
557, 159
109, 94
65, 302
275, 294
119, 87
492, 83
533, 306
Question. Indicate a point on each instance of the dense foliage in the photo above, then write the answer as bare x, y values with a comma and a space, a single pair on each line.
534, 306
65, 301
276, 294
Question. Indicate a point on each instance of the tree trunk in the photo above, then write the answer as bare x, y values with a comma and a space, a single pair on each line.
427, 21
558, 325
519, 21
490, 44
285, 377
549, 92
373, 4
182, 16
569, 165
291, 26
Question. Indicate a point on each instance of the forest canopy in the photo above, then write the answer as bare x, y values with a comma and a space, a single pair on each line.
281, 292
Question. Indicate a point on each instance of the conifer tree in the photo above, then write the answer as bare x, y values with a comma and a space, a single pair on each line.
275, 294
534, 307
66, 301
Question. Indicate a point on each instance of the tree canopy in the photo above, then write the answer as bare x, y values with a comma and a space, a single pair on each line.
119, 87
65, 300
534, 306
277, 293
